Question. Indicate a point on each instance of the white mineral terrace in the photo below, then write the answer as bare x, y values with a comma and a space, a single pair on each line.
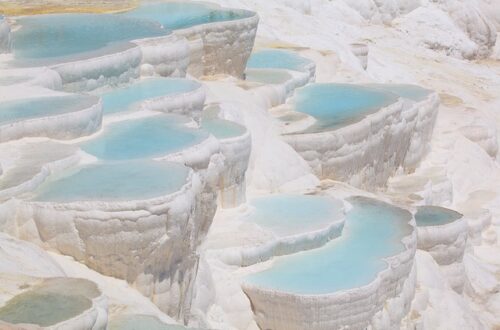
244, 165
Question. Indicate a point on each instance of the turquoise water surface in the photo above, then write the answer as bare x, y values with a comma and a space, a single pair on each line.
277, 59
222, 129
147, 137
46, 39
120, 181
294, 214
267, 76
29, 108
178, 15
373, 231
125, 98
435, 215
338, 105
411, 92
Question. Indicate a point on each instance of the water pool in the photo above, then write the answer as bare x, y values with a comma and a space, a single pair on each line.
435, 216
338, 105
221, 128
133, 180
294, 214
411, 92
277, 59
373, 231
53, 38
147, 137
141, 322
125, 98
29, 108
179, 15
267, 76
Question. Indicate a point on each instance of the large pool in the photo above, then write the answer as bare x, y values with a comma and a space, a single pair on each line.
338, 105
39, 107
277, 59
178, 15
294, 214
147, 137
48, 39
126, 98
122, 181
435, 216
372, 232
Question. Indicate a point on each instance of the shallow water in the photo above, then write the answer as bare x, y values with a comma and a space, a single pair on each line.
294, 214
46, 39
148, 137
222, 129
373, 231
178, 15
411, 92
338, 105
132, 180
277, 59
267, 76
435, 216
13, 111
141, 322
125, 98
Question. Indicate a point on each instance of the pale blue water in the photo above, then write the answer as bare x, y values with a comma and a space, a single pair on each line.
125, 98
411, 92
222, 129
277, 59
43, 308
337, 105
147, 137
46, 39
267, 76
120, 181
141, 322
294, 214
178, 15
30, 108
435, 216
373, 231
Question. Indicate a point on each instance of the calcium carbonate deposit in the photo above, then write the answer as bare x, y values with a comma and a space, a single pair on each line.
243, 165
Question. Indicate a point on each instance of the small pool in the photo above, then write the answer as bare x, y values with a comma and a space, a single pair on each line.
123, 181
373, 230
126, 98
267, 76
141, 322
52, 38
222, 129
338, 105
39, 107
179, 15
435, 216
411, 92
147, 137
294, 214
277, 59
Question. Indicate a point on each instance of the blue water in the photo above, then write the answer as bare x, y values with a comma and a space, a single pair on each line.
141, 322
123, 99
46, 39
147, 137
277, 59
435, 216
267, 76
222, 129
115, 182
337, 105
178, 15
29, 108
411, 92
294, 214
373, 231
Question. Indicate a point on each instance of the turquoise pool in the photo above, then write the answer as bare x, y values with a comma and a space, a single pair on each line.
373, 231
126, 98
122, 181
52, 38
294, 214
267, 76
39, 107
411, 92
179, 15
147, 137
277, 59
435, 216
